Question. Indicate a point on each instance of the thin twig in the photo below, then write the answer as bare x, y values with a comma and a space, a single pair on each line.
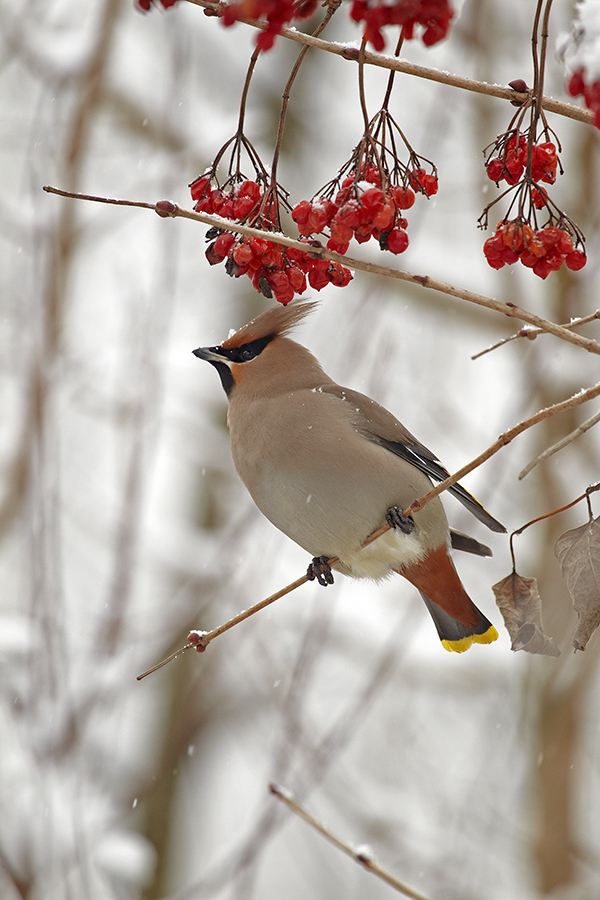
359, 854
503, 440
532, 333
585, 496
581, 429
166, 208
350, 52
201, 639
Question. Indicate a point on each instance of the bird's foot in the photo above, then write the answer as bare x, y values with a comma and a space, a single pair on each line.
396, 519
321, 570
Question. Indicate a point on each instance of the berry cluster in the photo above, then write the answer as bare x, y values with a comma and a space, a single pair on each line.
524, 161
363, 209
511, 161
274, 270
577, 86
242, 202
433, 15
276, 12
543, 250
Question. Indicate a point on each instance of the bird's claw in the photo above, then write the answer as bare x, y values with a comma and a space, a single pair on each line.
396, 519
321, 570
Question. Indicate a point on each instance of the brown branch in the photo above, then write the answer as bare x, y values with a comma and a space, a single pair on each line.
503, 440
359, 854
201, 639
168, 209
532, 333
389, 62
559, 445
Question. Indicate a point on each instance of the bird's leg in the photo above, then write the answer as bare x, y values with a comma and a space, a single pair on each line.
396, 519
321, 570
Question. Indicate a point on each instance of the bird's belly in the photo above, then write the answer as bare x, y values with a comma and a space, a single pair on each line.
329, 488
303, 512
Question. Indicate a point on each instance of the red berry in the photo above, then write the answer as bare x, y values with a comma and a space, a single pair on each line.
274, 256
549, 236
318, 218
338, 248
339, 275
258, 246
509, 256
403, 197
348, 215
372, 199
282, 288
575, 260
363, 233
297, 279
495, 169
384, 217
198, 188
300, 214
318, 279
493, 247
528, 258
341, 233
575, 84
242, 254
224, 243
397, 241
249, 189
541, 268
428, 184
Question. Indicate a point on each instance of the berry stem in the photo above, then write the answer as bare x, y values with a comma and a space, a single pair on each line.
539, 66
332, 7
245, 90
388, 90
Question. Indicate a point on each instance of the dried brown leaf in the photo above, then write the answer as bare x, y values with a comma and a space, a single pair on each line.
578, 552
519, 602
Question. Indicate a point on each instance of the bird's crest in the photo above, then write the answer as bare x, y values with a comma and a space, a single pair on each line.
276, 321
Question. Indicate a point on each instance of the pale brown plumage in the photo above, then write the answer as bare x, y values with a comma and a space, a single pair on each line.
325, 464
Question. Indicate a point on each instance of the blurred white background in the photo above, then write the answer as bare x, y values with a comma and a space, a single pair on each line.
123, 522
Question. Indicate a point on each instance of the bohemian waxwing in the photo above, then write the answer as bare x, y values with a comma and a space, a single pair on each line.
328, 466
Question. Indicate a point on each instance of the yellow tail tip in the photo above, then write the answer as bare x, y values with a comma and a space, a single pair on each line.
464, 643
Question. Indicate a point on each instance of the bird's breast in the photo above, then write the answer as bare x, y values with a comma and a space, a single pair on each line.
325, 485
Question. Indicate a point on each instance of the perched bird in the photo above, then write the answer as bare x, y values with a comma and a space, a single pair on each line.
328, 466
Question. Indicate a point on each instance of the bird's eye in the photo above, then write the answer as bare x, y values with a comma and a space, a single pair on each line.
247, 354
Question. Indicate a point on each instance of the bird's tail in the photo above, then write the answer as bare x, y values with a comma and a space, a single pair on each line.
458, 621
456, 636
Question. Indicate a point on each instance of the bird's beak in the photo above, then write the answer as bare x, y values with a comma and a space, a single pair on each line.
210, 354
217, 358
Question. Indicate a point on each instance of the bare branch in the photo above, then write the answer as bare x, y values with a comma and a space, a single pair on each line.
168, 209
503, 440
569, 438
360, 855
532, 333
201, 639
389, 62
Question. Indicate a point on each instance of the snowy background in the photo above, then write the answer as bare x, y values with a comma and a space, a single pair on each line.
123, 522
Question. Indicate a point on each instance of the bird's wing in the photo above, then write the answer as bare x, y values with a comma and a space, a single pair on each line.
380, 426
467, 544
